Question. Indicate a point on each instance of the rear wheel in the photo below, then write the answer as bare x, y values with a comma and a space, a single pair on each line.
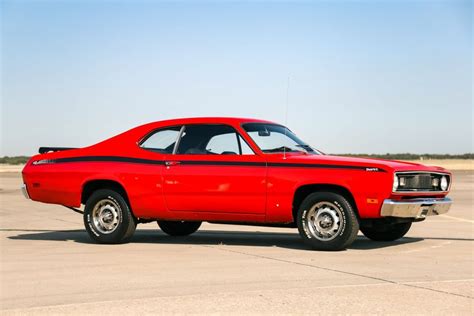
327, 221
386, 232
179, 228
107, 217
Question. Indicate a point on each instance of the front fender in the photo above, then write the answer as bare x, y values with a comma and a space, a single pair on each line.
368, 189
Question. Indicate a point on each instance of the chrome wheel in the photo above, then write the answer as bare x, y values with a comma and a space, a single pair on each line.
106, 216
324, 221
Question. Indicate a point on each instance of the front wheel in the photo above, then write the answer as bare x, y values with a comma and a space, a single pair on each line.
386, 232
179, 228
327, 221
107, 217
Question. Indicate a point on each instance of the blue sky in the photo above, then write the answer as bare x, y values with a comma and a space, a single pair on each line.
365, 76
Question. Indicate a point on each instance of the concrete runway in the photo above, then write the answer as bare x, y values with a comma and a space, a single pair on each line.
49, 266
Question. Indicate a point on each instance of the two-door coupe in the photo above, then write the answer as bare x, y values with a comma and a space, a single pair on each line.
231, 170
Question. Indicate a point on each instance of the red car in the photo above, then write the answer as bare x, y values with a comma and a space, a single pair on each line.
230, 170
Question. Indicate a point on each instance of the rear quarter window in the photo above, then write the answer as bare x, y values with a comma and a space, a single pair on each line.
162, 141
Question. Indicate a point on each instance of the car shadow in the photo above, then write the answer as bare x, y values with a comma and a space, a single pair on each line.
290, 240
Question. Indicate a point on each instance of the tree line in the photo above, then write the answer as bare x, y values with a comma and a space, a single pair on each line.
408, 156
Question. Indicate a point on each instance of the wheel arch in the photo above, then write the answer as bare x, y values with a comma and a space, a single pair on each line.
92, 185
304, 190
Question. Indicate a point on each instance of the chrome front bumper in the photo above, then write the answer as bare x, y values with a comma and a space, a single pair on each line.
415, 208
24, 190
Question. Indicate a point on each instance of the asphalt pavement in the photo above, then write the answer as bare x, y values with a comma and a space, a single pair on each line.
50, 266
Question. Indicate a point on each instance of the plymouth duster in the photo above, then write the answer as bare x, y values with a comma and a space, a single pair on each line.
182, 172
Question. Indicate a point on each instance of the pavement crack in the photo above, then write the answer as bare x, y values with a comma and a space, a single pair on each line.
341, 271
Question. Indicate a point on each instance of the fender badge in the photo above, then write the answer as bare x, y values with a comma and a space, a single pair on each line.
371, 169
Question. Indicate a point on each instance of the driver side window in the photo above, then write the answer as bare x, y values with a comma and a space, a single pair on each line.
212, 139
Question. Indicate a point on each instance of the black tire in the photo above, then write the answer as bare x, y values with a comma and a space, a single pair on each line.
121, 219
386, 232
334, 208
179, 228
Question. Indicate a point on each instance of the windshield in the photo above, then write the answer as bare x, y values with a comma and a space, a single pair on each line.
272, 138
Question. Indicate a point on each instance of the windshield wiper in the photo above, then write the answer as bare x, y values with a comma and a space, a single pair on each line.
280, 149
305, 147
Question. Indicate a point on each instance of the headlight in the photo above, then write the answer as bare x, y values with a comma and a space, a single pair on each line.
444, 183
395, 183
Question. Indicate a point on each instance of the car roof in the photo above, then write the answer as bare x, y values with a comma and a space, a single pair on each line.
228, 120
202, 120
139, 131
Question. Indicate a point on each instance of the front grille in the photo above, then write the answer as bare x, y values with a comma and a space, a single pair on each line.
420, 182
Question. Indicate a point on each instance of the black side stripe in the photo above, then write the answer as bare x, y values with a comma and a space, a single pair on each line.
99, 159
323, 166
202, 163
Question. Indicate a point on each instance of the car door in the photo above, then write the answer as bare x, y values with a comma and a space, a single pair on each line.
214, 170
145, 180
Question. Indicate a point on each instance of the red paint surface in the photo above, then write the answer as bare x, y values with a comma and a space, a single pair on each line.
242, 193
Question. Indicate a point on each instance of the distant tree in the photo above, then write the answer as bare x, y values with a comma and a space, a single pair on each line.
408, 156
17, 160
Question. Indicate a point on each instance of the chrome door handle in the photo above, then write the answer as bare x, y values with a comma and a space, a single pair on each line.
172, 163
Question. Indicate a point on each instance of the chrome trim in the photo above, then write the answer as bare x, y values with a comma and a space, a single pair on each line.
42, 162
414, 171
176, 144
415, 208
450, 178
24, 190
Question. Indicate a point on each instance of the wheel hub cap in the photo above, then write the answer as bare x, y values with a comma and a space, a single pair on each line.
324, 221
106, 216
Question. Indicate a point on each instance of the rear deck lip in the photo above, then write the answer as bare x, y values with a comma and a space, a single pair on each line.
415, 208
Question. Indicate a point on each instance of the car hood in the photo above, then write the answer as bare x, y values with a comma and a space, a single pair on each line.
388, 165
